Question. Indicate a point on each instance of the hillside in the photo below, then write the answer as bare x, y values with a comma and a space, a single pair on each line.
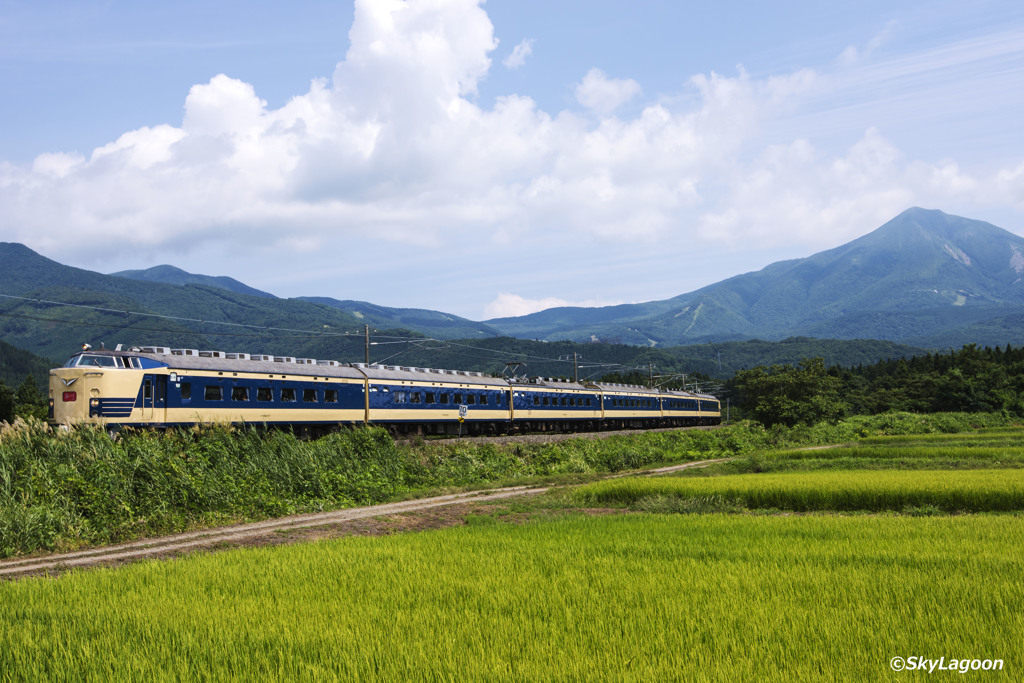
425, 322
923, 276
170, 275
108, 309
431, 323
16, 364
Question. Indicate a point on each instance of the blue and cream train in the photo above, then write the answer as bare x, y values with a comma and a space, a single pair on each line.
158, 387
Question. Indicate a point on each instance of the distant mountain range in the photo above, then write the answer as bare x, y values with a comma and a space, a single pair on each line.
925, 279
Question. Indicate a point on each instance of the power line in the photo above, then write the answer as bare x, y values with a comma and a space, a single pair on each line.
496, 355
201, 321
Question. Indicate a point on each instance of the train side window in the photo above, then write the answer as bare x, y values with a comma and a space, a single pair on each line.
457, 399
186, 391
330, 395
470, 399
483, 399
288, 394
564, 401
443, 398
213, 392
399, 396
264, 394
147, 390
429, 397
572, 401
536, 400
414, 397
547, 401
309, 395
239, 393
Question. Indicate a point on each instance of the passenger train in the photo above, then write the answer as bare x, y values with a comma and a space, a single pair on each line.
159, 387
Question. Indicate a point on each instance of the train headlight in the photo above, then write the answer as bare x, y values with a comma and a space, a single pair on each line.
94, 403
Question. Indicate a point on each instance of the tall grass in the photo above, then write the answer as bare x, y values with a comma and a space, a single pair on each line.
60, 490
630, 598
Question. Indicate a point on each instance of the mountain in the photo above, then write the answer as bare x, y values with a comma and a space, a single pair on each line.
98, 308
432, 323
923, 277
16, 364
171, 275
429, 323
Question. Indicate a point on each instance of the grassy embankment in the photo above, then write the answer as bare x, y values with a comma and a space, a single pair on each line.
61, 491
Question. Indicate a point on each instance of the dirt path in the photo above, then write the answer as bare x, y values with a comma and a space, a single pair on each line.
407, 515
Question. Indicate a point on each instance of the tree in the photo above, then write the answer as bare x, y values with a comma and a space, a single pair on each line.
29, 401
783, 394
6, 403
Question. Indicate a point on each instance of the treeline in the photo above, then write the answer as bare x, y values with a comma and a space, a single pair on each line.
973, 379
970, 380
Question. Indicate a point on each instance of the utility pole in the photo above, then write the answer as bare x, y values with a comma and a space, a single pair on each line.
575, 368
367, 330
650, 370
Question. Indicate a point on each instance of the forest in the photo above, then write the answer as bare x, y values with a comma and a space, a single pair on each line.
969, 380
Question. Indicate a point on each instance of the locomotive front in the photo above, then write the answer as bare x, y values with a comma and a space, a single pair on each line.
95, 387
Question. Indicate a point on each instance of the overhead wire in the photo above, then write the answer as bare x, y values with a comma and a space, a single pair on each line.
268, 330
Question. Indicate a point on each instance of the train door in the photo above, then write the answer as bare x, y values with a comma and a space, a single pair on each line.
154, 398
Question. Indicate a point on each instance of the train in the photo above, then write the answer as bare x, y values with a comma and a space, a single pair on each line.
154, 387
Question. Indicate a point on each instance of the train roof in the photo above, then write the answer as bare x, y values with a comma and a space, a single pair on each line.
220, 361
194, 359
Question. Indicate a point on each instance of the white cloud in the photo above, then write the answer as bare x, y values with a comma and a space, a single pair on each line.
519, 54
604, 95
395, 150
507, 305
853, 54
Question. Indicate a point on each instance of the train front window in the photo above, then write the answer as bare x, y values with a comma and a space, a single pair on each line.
89, 360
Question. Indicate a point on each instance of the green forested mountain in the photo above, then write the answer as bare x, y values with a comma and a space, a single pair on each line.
922, 278
430, 323
107, 309
17, 364
170, 275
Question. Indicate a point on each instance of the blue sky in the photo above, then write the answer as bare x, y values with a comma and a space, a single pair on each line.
495, 158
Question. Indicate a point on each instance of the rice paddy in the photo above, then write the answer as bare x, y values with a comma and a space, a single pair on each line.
635, 597
873, 491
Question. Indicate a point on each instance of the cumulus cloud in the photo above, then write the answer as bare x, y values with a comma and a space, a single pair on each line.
519, 54
395, 151
507, 305
603, 94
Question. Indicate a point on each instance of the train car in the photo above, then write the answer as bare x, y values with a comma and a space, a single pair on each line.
542, 404
627, 406
159, 387
426, 400
685, 409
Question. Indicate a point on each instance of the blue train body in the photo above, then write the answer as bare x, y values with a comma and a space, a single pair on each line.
157, 387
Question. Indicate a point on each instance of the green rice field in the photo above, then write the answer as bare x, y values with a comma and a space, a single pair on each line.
626, 597
870, 490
